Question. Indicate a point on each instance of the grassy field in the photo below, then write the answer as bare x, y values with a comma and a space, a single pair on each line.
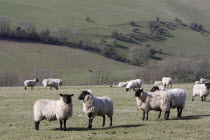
16, 117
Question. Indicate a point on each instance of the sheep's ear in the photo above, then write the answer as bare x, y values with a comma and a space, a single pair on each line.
71, 95
61, 95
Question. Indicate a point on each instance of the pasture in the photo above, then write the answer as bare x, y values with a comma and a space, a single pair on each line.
16, 116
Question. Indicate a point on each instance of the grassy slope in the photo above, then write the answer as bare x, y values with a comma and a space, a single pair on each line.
17, 117
71, 64
53, 13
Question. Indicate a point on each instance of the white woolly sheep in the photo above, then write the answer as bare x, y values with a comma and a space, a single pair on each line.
50, 82
133, 84
157, 101
96, 106
158, 83
122, 84
30, 83
167, 81
202, 80
52, 110
202, 90
178, 99
59, 82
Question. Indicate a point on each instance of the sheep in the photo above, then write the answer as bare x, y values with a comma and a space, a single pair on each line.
202, 90
197, 82
178, 99
134, 84
157, 88
52, 110
158, 83
30, 83
50, 82
96, 106
202, 80
122, 84
58, 81
158, 101
167, 81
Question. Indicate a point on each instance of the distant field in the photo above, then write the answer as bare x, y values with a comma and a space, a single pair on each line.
111, 15
17, 117
69, 64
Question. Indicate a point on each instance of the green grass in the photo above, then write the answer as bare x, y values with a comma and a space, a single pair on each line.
69, 64
17, 117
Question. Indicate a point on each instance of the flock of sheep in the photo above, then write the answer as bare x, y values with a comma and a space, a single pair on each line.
157, 99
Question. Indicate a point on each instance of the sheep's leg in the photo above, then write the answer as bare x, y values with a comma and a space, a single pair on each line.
110, 121
180, 112
159, 114
143, 115
104, 117
90, 122
167, 115
61, 124
64, 125
37, 125
202, 99
193, 98
25, 88
147, 116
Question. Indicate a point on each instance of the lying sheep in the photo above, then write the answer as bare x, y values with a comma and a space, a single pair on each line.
52, 110
134, 84
158, 101
96, 106
50, 82
122, 84
158, 83
30, 83
202, 90
167, 81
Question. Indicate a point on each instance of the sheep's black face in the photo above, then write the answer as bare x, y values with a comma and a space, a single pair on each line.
138, 92
82, 95
127, 89
155, 88
67, 98
37, 80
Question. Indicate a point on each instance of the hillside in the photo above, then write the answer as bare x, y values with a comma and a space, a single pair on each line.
70, 64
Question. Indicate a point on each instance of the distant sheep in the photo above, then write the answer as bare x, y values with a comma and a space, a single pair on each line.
122, 84
96, 106
59, 81
158, 83
50, 82
52, 110
30, 83
157, 101
202, 80
201, 90
157, 88
134, 84
167, 81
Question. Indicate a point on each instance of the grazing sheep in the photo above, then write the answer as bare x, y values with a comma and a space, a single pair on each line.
158, 83
202, 90
167, 81
158, 101
122, 84
30, 83
52, 110
178, 99
50, 82
59, 82
96, 106
133, 84
202, 80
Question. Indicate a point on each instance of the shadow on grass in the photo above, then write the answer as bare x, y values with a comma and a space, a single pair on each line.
102, 128
193, 117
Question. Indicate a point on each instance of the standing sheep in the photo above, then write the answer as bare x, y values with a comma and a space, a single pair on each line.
50, 82
96, 106
202, 90
158, 101
122, 84
52, 110
133, 84
167, 81
30, 83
